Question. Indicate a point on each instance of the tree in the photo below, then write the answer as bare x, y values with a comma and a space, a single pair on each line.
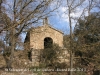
22, 14
72, 5
88, 40
50, 56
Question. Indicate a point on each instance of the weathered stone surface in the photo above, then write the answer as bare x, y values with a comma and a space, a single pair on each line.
35, 41
37, 36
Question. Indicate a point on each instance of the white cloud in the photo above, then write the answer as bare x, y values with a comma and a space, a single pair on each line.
63, 9
76, 14
54, 4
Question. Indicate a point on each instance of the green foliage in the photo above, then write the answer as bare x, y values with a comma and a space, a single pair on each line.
60, 65
30, 55
80, 73
87, 38
87, 31
39, 73
66, 41
49, 56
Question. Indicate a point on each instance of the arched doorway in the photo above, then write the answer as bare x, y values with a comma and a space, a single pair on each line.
48, 42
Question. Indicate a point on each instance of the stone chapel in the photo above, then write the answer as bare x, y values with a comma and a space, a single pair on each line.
39, 38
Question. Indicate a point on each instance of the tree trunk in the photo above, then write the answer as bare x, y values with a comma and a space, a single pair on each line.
71, 36
9, 65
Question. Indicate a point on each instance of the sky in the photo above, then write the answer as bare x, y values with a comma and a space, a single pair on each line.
60, 19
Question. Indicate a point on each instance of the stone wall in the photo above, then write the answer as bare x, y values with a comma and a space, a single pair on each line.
36, 42
35, 57
38, 35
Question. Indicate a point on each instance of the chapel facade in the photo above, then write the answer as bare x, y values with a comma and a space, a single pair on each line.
43, 37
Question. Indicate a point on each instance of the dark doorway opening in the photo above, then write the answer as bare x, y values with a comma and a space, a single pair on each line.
48, 42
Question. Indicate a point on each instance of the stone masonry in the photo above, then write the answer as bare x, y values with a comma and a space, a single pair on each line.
37, 36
